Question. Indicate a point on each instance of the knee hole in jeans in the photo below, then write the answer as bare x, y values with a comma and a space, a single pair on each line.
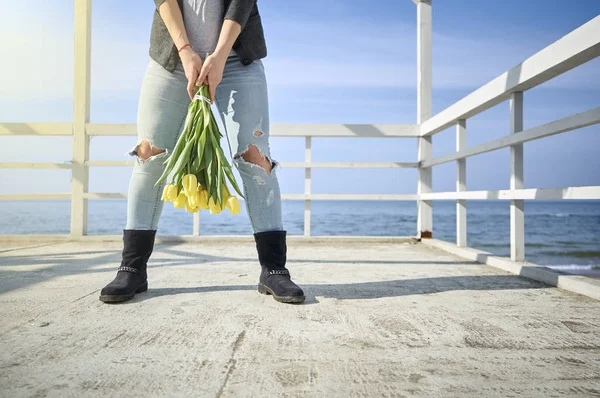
255, 156
145, 150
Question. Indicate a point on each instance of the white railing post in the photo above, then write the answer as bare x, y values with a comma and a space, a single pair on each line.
461, 184
81, 116
517, 207
196, 224
307, 183
424, 207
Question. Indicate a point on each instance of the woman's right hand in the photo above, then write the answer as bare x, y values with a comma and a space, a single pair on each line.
192, 65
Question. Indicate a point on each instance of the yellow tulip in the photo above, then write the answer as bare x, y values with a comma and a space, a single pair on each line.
225, 193
165, 192
214, 207
233, 204
194, 199
180, 201
203, 199
172, 193
190, 184
190, 209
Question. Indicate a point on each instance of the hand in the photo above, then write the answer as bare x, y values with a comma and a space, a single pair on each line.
192, 65
212, 73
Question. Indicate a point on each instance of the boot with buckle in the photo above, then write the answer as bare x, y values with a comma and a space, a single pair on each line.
275, 278
132, 275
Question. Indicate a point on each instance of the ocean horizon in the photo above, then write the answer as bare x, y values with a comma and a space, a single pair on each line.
563, 235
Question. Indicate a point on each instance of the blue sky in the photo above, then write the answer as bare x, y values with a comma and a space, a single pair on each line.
329, 62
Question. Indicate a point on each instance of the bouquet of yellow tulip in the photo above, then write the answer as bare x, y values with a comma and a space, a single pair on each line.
199, 165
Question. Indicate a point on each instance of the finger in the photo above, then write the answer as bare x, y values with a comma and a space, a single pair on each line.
203, 74
200, 81
212, 88
190, 89
190, 85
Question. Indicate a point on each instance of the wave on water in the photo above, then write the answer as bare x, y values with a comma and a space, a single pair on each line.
574, 267
567, 242
529, 245
560, 215
573, 253
538, 245
491, 244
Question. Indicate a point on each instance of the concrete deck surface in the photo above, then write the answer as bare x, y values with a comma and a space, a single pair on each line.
381, 320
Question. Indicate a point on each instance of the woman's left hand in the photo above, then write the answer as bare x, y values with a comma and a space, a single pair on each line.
212, 72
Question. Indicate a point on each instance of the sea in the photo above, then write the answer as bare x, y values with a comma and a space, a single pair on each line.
563, 235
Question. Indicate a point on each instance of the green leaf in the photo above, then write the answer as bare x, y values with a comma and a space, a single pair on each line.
164, 175
200, 150
213, 190
183, 158
216, 127
219, 171
226, 167
170, 163
231, 179
208, 163
201, 176
194, 162
178, 177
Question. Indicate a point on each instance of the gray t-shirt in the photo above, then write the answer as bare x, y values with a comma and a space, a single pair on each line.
249, 47
203, 20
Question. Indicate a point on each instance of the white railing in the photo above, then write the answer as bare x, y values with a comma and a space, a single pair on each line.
574, 49
278, 130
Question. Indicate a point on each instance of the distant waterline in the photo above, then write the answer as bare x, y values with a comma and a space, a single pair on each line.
560, 234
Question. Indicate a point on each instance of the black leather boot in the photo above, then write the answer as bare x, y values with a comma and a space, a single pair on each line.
275, 279
131, 276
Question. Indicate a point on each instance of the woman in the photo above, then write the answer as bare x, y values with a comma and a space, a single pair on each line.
183, 32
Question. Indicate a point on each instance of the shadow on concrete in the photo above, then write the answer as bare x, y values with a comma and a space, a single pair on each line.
532, 272
371, 290
53, 265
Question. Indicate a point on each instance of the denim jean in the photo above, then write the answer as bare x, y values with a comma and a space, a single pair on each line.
242, 102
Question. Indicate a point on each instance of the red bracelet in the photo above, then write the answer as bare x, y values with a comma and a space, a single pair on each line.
184, 46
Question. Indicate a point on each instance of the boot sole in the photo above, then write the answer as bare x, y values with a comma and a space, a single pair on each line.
116, 298
263, 289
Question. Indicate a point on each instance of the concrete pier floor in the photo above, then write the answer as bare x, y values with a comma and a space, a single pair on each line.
380, 320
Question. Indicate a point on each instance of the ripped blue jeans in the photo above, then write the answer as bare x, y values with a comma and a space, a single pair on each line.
241, 99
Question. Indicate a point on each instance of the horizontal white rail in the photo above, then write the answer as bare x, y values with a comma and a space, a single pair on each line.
592, 192
34, 165
289, 130
231, 239
569, 123
302, 165
345, 130
574, 49
289, 196
347, 196
351, 165
109, 163
27, 129
35, 196
105, 195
